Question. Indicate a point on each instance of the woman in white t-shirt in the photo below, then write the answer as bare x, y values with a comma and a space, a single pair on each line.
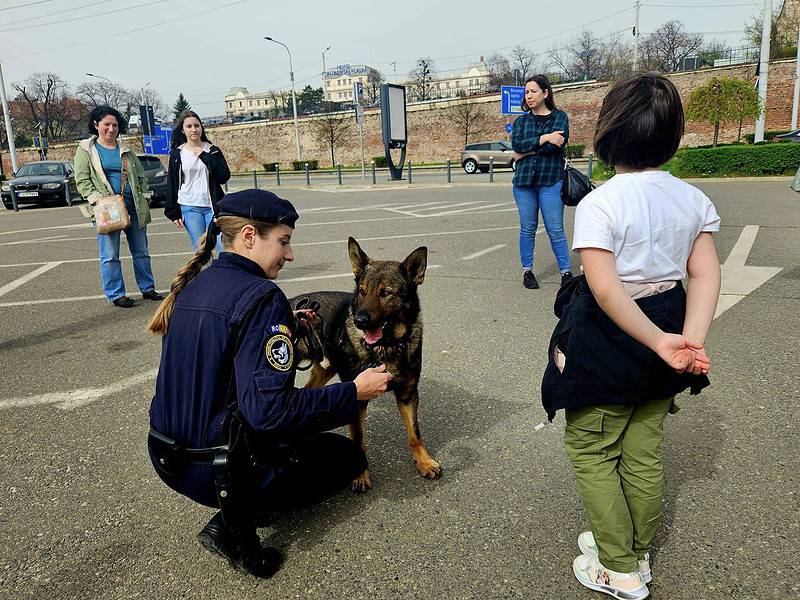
629, 337
197, 172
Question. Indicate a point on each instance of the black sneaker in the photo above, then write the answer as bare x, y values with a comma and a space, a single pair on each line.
529, 280
243, 552
124, 302
566, 277
152, 295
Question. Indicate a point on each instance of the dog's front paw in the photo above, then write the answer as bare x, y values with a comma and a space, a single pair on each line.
362, 483
428, 468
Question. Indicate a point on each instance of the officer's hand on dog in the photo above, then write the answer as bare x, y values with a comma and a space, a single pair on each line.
371, 383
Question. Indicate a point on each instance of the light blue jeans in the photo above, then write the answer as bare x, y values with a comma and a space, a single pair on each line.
110, 266
196, 220
530, 200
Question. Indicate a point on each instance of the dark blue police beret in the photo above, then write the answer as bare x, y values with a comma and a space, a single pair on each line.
258, 205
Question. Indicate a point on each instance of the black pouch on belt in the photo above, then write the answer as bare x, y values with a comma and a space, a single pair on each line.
168, 454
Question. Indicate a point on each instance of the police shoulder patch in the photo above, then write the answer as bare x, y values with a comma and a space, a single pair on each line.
280, 353
284, 329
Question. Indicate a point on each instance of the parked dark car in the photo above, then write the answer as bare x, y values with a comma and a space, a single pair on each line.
156, 178
40, 183
475, 157
792, 136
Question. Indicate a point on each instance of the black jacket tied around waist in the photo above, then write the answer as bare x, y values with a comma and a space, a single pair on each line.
604, 365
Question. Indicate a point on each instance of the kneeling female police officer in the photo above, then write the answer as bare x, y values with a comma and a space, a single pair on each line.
228, 428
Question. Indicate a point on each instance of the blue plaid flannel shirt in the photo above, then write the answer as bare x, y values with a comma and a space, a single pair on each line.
547, 166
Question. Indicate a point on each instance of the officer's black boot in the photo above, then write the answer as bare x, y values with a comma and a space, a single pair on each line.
243, 550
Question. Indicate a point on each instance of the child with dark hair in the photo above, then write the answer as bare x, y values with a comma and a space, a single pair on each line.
629, 337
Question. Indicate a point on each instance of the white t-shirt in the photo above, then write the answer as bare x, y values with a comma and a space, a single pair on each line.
649, 220
194, 186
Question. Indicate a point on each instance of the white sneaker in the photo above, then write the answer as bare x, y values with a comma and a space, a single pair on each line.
624, 586
587, 546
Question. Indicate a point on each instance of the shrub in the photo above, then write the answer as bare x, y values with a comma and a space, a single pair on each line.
380, 161
575, 150
768, 135
269, 167
759, 159
601, 170
300, 165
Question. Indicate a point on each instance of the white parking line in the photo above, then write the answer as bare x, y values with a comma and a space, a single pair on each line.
101, 297
301, 244
77, 398
482, 252
37, 240
10, 287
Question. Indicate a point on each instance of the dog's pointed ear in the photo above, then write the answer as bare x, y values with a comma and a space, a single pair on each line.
413, 267
358, 258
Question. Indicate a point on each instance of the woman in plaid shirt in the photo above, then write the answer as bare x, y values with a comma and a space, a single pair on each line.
537, 139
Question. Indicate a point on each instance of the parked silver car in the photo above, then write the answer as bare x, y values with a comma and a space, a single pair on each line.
475, 157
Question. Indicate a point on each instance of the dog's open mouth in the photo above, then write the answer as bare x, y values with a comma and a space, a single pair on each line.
373, 336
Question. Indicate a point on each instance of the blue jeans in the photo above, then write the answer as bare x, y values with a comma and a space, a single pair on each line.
530, 200
110, 266
195, 221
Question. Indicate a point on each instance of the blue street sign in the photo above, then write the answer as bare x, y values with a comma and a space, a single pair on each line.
158, 143
509, 127
511, 98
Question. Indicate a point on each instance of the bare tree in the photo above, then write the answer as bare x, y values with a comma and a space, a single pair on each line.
372, 89
499, 71
586, 57
421, 79
521, 59
95, 93
667, 46
469, 118
49, 107
280, 102
783, 31
332, 128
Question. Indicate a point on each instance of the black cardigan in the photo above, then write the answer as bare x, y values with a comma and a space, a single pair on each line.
604, 365
218, 175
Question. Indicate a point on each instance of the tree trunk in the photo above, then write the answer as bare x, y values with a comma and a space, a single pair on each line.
333, 160
716, 133
739, 137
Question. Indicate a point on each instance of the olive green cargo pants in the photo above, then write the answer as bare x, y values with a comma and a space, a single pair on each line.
616, 455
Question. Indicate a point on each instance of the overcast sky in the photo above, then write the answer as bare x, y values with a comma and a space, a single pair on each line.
204, 47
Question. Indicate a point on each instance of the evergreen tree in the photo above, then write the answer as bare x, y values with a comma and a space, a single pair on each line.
181, 104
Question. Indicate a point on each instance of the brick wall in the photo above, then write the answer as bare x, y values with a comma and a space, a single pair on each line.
434, 137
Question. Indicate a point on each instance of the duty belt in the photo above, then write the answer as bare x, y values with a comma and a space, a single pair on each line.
168, 452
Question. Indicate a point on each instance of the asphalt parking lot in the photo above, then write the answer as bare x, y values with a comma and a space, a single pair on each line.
83, 515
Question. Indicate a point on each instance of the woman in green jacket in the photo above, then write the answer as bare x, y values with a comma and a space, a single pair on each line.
99, 162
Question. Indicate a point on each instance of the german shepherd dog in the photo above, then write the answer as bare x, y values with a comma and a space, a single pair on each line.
379, 323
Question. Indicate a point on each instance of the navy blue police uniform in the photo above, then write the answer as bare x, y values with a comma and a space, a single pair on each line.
228, 364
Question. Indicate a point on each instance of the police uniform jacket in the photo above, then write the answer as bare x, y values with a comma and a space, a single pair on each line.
604, 365
230, 340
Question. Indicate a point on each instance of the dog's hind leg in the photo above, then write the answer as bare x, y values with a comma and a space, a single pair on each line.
361, 483
407, 403
319, 376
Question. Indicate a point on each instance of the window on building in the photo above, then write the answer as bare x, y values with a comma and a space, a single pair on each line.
327, 83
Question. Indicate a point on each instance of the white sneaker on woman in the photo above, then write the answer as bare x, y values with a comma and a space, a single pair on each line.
587, 546
624, 586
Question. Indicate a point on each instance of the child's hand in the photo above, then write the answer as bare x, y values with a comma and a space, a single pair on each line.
677, 351
701, 363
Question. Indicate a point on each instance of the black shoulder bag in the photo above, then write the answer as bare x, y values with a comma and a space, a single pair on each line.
576, 184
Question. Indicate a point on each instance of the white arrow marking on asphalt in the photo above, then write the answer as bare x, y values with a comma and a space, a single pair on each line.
76, 398
739, 280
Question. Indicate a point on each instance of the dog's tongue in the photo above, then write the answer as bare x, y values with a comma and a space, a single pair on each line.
372, 336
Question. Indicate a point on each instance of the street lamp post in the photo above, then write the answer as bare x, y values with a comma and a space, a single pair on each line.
324, 87
294, 98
